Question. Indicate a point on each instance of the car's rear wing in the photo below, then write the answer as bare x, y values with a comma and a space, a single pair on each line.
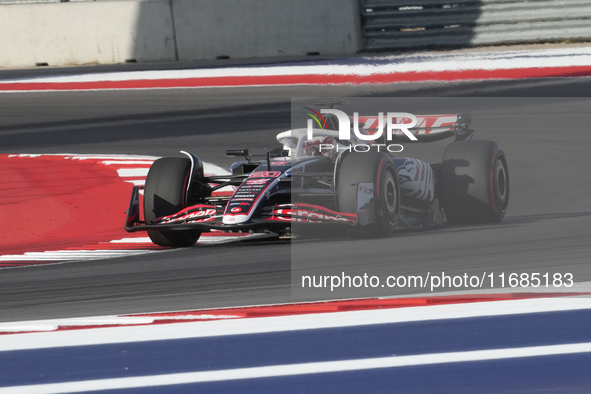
428, 128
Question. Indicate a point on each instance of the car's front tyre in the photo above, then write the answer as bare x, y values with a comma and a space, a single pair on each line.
165, 194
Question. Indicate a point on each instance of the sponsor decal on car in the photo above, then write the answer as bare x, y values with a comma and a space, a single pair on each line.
199, 215
265, 174
310, 213
256, 181
248, 195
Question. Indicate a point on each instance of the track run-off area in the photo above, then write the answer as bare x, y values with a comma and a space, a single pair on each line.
226, 315
73, 186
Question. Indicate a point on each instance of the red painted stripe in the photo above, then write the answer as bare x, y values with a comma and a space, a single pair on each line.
343, 306
309, 79
313, 308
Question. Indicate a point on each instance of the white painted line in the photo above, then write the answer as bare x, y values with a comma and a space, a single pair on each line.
127, 162
222, 239
77, 156
132, 172
90, 156
52, 325
299, 369
132, 240
55, 324
99, 254
217, 328
67, 255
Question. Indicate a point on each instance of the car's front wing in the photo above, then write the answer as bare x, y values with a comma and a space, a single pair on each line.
209, 217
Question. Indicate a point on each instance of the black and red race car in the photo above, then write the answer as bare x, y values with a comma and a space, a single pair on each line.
326, 181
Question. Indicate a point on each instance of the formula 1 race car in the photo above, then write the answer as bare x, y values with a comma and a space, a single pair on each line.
316, 178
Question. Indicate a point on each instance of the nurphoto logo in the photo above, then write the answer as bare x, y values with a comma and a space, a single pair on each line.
391, 125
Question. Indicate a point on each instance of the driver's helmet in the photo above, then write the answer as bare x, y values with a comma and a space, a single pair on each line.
320, 146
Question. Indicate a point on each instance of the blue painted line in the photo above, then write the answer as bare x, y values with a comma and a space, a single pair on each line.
68, 364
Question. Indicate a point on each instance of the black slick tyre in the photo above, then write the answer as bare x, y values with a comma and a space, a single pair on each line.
379, 169
474, 182
164, 194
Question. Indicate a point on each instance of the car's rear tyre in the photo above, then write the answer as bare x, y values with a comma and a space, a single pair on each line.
379, 169
474, 182
164, 194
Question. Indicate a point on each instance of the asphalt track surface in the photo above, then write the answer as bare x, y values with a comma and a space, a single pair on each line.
546, 229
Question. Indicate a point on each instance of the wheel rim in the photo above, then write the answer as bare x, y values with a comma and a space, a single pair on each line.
389, 197
501, 183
